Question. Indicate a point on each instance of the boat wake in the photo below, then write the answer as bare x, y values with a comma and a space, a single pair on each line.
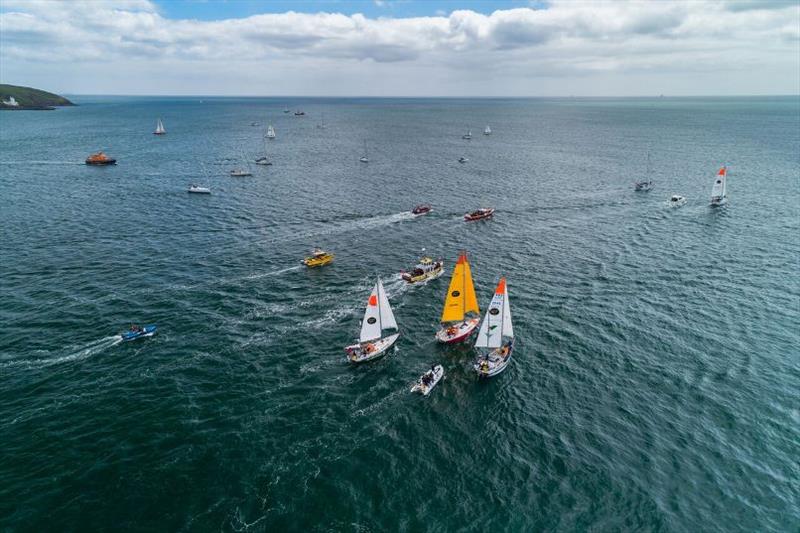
71, 353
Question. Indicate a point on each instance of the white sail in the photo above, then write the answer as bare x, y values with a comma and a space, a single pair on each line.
487, 131
497, 321
718, 191
371, 325
387, 316
160, 127
270, 132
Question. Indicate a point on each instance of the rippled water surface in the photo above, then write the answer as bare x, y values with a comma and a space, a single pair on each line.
656, 377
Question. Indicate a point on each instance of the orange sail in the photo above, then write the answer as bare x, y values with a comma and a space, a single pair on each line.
461, 298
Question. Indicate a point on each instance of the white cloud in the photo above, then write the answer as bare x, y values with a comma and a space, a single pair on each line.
638, 47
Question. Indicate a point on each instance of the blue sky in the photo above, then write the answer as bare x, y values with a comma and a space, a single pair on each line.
217, 10
402, 48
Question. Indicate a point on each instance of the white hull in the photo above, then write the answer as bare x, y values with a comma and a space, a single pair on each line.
357, 353
199, 190
422, 388
494, 364
719, 202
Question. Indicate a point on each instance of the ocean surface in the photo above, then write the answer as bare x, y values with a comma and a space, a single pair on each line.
656, 379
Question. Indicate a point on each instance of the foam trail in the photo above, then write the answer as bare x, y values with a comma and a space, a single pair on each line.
74, 353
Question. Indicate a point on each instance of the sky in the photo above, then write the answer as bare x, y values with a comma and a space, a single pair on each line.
402, 48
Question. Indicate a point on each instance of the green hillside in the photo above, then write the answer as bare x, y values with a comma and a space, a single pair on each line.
30, 98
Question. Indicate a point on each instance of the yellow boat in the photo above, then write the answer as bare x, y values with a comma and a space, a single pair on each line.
318, 258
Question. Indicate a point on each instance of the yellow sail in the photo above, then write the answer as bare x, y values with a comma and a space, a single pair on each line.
461, 298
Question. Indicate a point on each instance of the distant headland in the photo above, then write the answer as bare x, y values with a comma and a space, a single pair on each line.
13, 97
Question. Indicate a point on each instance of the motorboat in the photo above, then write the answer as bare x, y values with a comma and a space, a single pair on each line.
428, 380
719, 192
318, 258
676, 200
299, 113
378, 317
422, 209
458, 320
196, 189
462, 159
643, 186
100, 159
479, 214
263, 161
138, 332
496, 336
425, 270
239, 173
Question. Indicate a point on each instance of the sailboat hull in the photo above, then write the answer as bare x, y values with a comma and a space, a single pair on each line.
362, 353
719, 202
457, 332
494, 364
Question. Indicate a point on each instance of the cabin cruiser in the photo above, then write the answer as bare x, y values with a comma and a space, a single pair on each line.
422, 209
196, 189
676, 200
99, 159
318, 258
426, 269
479, 214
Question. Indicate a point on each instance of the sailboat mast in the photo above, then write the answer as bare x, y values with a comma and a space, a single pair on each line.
464, 288
378, 293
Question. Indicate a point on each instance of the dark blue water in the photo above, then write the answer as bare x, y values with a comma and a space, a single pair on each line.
656, 377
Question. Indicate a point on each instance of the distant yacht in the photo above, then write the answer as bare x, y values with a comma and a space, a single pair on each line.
299, 113
719, 192
467, 135
487, 130
321, 125
159, 128
197, 189
365, 158
286, 110
462, 159
270, 132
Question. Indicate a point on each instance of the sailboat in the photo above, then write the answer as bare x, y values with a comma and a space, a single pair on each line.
321, 125
160, 128
487, 130
719, 192
364, 158
467, 135
270, 132
496, 335
457, 322
645, 185
377, 317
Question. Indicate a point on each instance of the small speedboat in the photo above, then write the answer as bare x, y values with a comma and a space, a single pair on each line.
318, 258
479, 214
422, 209
138, 332
643, 186
428, 380
99, 159
196, 189
425, 270
263, 161
462, 159
299, 113
238, 173
676, 200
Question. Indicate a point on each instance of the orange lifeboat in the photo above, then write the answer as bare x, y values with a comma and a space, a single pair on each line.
100, 158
